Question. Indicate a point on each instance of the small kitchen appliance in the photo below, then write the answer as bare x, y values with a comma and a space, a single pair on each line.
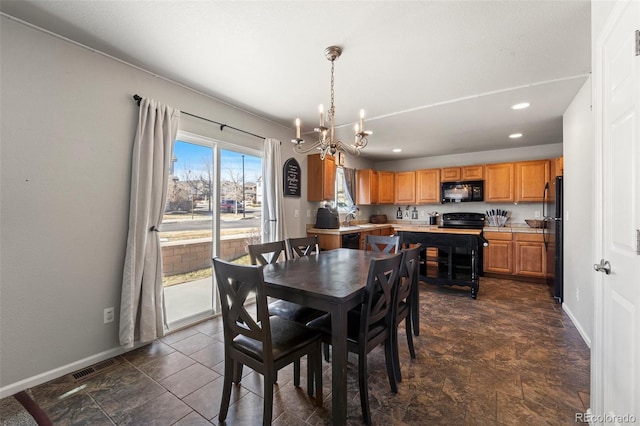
327, 219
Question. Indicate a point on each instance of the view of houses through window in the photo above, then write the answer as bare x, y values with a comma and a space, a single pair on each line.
213, 208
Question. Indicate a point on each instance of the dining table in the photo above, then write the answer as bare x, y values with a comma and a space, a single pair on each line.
332, 281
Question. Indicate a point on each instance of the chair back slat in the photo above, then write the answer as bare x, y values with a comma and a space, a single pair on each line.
266, 253
409, 272
379, 291
236, 283
381, 243
303, 246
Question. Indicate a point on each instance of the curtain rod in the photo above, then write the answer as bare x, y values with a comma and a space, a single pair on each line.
222, 126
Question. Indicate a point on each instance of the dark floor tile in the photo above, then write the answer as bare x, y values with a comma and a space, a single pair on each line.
193, 343
161, 368
188, 380
148, 353
192, 419
164, 410
77, 409
210, 355
206, 400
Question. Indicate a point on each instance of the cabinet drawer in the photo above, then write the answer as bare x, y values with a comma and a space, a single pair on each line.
504, 236
522, 236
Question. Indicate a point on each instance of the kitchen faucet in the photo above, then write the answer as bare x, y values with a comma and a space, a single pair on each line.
350, 215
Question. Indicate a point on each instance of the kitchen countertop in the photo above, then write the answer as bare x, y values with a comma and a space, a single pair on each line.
417, 227
363, 227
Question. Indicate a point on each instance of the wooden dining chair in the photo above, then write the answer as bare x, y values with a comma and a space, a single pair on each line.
371, 325
263, 343
385, 244
266, 253
303, 246
403, 305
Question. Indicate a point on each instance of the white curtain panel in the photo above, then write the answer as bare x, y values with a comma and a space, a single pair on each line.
273, 204
141, 305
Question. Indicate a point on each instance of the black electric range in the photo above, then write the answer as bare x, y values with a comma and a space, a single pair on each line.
463, 220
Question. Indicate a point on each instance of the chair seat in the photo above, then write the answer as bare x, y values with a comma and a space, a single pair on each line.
286, 337
323, 324
293, 311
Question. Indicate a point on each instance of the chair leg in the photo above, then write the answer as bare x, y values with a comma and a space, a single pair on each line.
237, 371
229, 369
364, 388
325, 347
396, 355
318, 375
311, 369
267, 411
412, 350
296, 372
389, 361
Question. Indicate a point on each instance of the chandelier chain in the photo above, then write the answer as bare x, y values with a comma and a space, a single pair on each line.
332, 111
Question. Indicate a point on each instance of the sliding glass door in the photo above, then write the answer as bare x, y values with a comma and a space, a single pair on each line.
213, 208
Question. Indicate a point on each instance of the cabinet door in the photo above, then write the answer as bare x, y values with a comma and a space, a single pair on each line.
531, 260
385, 187
451, 174
321, 178
327, 241
366, 187
531, 177
428, 186
559, 166
499, 184
498, 255
405, 188
472, 172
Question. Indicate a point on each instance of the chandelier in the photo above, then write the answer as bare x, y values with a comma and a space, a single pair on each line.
327, 143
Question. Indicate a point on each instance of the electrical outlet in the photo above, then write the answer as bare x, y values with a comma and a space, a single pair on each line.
566, 215
577, 294
296, 213
109, 315
308, 213
537, 213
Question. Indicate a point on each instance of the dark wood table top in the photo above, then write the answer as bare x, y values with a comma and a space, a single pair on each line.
333, 275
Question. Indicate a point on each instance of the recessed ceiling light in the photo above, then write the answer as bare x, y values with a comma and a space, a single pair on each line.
521, 105
515, 135
396, 150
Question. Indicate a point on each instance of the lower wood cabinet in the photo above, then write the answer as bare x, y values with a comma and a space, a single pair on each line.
498, 256
516, 254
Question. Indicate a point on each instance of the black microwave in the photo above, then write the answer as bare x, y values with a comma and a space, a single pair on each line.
460, 192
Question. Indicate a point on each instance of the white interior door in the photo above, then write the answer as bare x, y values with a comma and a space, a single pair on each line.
616, 350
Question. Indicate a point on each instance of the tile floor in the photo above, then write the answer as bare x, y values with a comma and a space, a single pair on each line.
511, 357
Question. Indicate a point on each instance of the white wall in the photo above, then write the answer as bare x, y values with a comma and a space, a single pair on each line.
68, 122
579, 140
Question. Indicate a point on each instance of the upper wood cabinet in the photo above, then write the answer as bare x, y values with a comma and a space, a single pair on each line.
499, 182
366, 187
558, 166
473, 172
405, 188
531, 176
450, 174
428, 186
321, 178
385, 187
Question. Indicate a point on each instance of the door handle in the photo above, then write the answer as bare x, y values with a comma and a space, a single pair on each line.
603, 266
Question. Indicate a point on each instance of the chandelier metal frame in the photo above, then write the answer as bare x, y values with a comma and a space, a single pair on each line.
327, 143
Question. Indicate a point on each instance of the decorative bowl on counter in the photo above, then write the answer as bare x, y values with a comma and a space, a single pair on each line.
536, 223
378, 218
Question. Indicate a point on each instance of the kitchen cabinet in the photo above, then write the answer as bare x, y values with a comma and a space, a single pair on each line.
366, 187
498, 255
531, 177
405, 188
385, 187
327, 241
499, 182
530, 255
450, 174
428, 186
558, 164
321, 178
472, 172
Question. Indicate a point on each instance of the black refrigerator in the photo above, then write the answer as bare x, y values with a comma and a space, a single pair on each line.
553, 237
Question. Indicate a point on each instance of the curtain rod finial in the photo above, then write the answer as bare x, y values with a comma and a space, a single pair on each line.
137, 98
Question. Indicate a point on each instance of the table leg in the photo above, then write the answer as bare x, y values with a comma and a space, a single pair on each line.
339, 366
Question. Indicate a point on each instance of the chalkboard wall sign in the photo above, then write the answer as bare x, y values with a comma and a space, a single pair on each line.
292, 178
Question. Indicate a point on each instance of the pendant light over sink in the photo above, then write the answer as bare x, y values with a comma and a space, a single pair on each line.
327, 142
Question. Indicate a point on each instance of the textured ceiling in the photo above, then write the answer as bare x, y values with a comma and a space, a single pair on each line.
435, 77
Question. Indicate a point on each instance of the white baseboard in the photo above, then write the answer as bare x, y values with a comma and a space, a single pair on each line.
58, 372
575, 322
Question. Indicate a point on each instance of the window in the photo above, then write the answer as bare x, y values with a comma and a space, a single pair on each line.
343, 201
